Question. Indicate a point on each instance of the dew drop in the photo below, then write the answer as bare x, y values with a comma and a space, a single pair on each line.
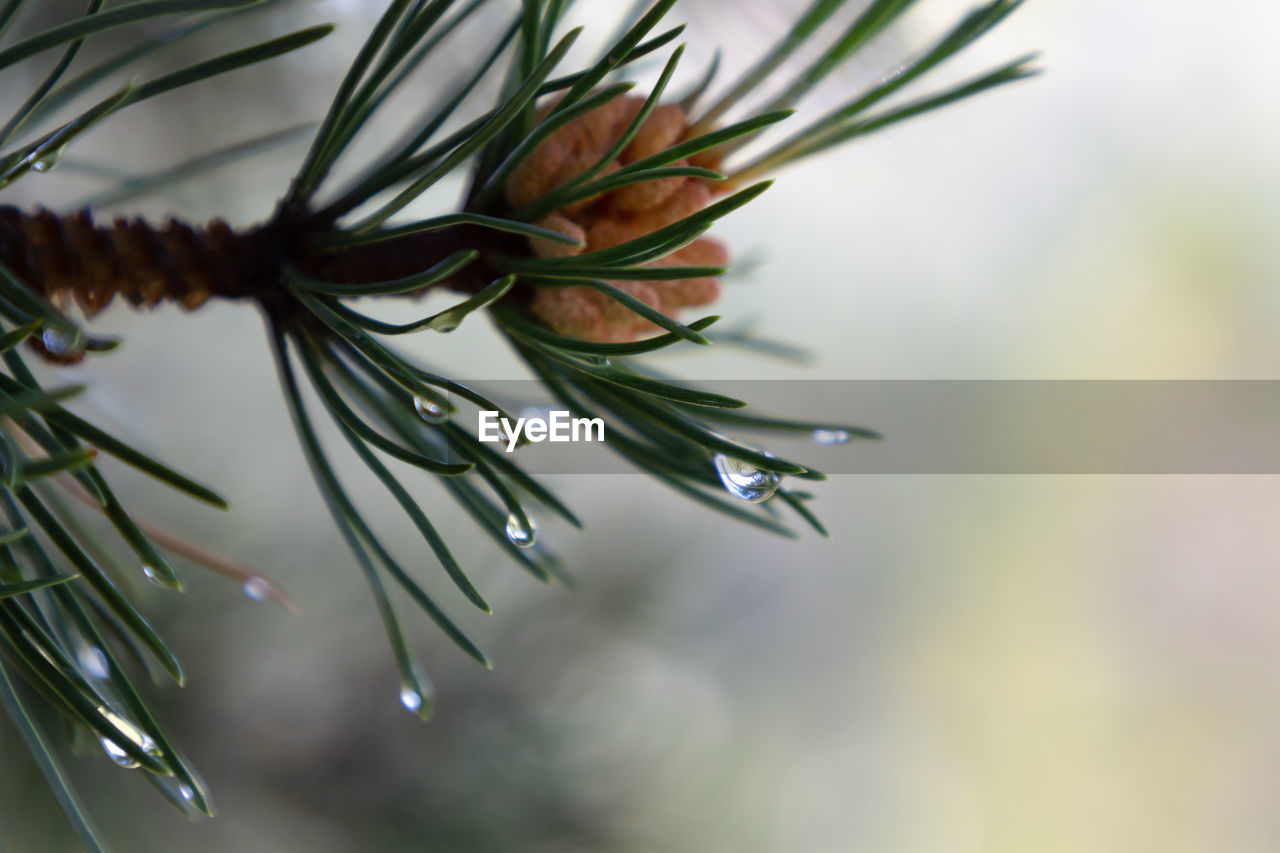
411, 698
535, 413
416, 694
444, 326
127, 729
430, 411
521, 536
257, 588
92, 661
505, 435
831, 436
47, 161
117, 754
158, 579
744, 480
63, 340
186, 791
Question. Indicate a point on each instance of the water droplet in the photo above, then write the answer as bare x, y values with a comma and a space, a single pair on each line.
416, 693
129, 731
117, 754
445, 325
186, 791
63, 340
93, 661
257, 588
505, 435
411, 698
430, 411
136, 735
160, 580
744, 480
541, 413
521, 536
47, 161
831, 436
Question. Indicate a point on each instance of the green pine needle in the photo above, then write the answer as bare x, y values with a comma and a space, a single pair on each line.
60, 603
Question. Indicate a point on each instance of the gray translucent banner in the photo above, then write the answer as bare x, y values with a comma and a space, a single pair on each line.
970, 427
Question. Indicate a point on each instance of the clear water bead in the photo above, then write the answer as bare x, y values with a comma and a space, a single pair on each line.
158, 579
542, 413
117, 754
48, 161
256, 588
92, 661
744, 480
430, 411
62, 340
831, 436
411, 698
521, 536
127, 729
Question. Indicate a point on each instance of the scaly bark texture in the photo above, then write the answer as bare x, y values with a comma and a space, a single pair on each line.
72, 258
64, 257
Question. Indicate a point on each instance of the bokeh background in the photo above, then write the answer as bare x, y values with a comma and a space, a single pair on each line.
970, 664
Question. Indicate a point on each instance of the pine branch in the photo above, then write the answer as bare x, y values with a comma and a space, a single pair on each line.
582, 237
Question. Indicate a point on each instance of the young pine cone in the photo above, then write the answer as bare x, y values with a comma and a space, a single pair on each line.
615, 217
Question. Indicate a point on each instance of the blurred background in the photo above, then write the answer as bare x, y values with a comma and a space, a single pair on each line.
970, 664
